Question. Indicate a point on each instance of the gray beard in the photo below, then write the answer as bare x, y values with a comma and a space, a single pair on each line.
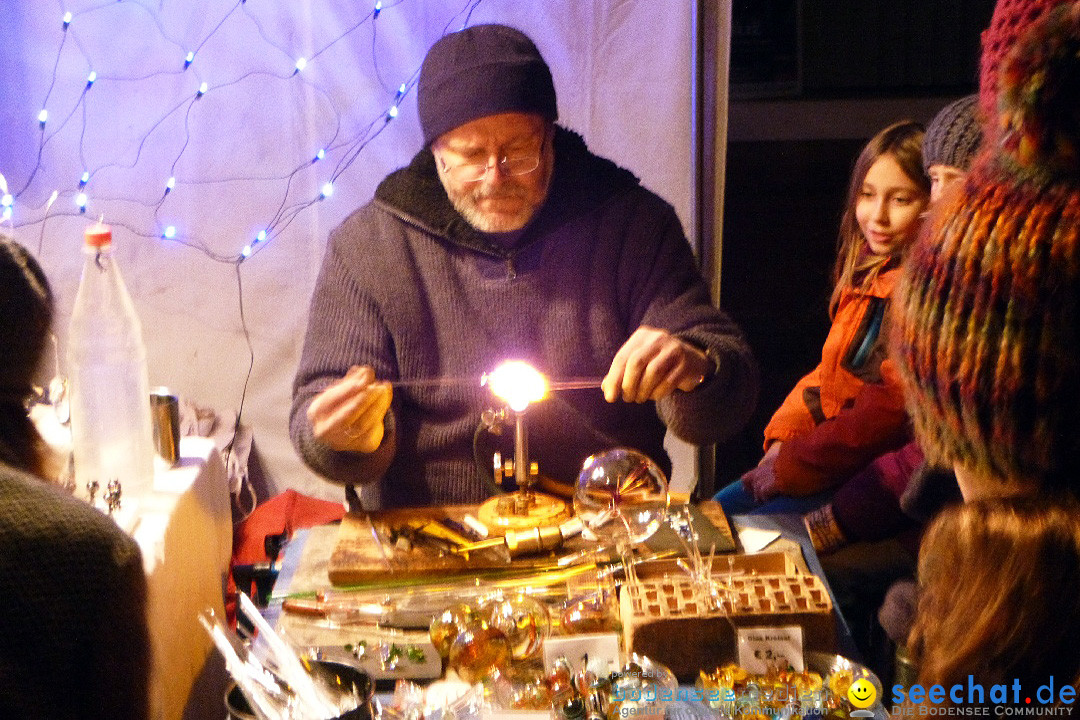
466, 206
483, 222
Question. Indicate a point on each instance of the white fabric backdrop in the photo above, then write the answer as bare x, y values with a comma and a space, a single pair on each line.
241, 154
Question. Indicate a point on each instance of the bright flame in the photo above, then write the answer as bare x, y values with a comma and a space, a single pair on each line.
518, 383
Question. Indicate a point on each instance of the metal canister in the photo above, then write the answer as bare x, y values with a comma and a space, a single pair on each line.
165, 412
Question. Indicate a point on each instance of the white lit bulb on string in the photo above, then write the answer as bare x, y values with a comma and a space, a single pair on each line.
391, 111
169, 233
6, 200
250, 248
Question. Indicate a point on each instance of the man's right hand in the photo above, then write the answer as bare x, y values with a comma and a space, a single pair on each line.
350, 413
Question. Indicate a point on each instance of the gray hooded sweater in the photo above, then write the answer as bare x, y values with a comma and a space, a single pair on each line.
412, 290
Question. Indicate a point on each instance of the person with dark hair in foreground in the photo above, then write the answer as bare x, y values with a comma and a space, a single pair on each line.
74, 641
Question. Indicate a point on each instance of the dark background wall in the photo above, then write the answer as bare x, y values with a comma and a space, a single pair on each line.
811, 82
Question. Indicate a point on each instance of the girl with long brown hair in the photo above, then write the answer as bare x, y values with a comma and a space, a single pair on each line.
849, 409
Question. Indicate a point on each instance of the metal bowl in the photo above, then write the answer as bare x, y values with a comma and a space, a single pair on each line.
345, 679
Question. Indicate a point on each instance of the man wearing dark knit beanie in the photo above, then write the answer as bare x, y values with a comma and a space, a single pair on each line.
988, 336
506, 238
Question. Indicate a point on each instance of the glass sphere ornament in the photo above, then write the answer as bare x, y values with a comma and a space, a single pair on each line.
560, 679
478, 650
592, 613
447, 625
638, 689
621, 497
523, 619
521, 686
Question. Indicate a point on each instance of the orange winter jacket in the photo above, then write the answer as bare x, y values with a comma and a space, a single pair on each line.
849, 409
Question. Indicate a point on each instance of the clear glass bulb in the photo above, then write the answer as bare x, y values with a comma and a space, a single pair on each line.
621, 496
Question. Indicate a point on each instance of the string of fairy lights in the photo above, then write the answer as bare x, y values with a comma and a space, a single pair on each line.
17, 208
181, 88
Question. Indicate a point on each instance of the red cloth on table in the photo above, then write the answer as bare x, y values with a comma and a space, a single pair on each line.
280, 515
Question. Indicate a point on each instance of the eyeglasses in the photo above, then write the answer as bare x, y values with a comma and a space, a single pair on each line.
520, 164
475, 172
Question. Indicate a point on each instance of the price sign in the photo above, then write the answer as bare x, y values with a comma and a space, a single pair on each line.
601, 649
765, 648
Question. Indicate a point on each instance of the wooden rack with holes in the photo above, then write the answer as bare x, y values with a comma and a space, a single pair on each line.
669, 620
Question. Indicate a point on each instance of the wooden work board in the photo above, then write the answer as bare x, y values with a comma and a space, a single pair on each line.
357, 559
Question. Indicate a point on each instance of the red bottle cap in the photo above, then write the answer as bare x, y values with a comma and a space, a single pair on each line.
98, 235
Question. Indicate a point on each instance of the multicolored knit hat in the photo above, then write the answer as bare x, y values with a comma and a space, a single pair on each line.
953, 136
987, 333
1010, 20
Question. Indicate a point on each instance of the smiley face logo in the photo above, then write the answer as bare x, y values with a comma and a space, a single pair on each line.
862, 693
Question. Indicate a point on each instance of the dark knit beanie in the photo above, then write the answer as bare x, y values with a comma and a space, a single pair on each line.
987, 333
1009, 21
954, 135
479, 71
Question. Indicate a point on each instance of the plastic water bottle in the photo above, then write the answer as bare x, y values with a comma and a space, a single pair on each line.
109, 389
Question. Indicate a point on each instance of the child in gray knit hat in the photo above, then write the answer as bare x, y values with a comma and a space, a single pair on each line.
868, 534
951, 142
949, 146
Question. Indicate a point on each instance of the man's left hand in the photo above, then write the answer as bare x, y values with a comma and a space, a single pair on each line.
652, 364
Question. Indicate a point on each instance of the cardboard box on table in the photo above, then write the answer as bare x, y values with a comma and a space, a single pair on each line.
665, 617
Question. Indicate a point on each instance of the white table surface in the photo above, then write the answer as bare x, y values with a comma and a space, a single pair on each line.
184, 528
